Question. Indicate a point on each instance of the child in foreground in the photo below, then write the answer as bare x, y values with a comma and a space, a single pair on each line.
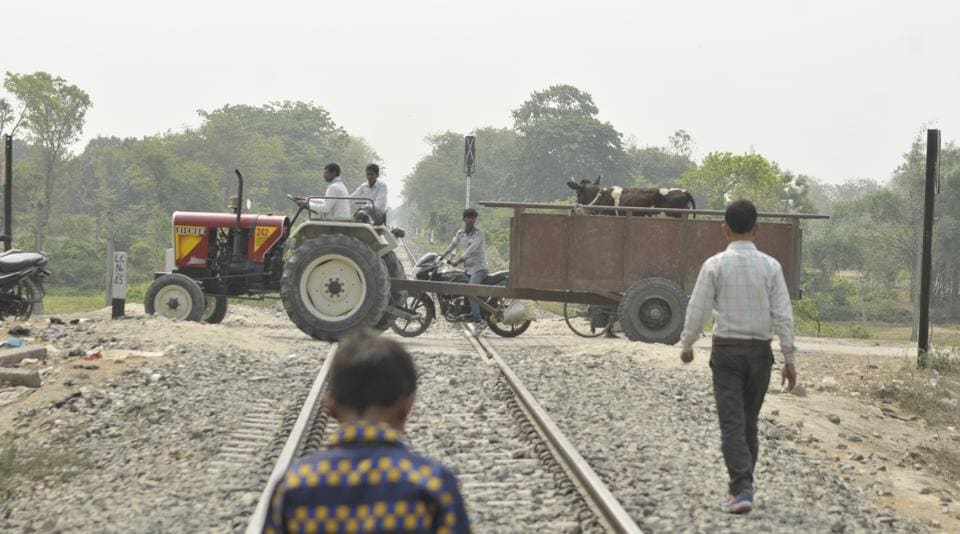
367, 480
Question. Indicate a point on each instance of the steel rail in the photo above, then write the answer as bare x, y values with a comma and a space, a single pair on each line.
293, 446
594, 491
571, 207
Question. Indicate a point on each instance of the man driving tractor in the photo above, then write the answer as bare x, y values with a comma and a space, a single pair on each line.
330, 208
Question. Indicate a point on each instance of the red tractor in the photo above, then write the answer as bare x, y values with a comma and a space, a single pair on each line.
333, 276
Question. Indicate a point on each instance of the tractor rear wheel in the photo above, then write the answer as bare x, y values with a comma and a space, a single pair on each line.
652, 310
215, 309
397, 298
175, 296
334, 284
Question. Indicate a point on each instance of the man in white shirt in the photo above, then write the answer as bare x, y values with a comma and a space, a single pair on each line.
747, 293
376, 191
330, 208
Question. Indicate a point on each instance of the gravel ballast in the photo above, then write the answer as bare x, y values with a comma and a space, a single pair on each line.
651, 434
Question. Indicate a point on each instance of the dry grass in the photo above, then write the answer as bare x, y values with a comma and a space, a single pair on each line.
946, 460
34, 465
933, 393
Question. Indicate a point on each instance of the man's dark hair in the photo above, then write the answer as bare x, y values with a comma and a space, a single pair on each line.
741, 216
374, 167
369, 370
333, 167
469, 212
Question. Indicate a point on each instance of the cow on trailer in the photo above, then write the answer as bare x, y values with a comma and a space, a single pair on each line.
591, 194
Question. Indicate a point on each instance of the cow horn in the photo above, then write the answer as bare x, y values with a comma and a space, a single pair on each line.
598, 179
573, 185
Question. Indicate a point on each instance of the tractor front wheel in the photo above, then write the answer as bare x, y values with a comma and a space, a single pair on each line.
334, 284
175, 296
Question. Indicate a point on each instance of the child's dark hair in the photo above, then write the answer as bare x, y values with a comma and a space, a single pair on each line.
741, 216
332, 167
374, 167
369, 370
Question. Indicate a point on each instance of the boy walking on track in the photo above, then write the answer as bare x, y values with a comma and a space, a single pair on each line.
367, 480
747, 293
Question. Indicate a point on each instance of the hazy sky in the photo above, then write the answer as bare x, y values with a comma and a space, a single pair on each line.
834, 89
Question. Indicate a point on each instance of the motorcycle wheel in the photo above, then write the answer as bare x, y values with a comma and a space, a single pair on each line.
422, 306
31, 295
504, 329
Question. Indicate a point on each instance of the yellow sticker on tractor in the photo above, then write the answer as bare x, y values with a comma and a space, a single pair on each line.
186, 238
261, 235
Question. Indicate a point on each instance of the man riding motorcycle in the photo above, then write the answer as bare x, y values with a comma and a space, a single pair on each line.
470, 240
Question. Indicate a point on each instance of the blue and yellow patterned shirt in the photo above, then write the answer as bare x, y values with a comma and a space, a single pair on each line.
367, 481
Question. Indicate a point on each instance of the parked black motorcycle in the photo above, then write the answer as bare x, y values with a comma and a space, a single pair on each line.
454, 308
21, 283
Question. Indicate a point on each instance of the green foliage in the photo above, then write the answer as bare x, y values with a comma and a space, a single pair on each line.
561, 139
125, 190
53, 116
657, 167
724, 176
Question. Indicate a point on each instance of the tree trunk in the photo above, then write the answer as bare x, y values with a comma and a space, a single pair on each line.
43, 211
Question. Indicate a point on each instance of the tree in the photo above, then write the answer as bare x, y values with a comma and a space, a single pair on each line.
53, 115
655, 166
680, 144
724, 176
562, 139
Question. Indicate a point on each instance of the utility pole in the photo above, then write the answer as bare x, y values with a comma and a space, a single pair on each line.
926, 256
7, 237
469, 162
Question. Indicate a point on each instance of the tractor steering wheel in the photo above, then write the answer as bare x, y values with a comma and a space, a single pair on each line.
306, 206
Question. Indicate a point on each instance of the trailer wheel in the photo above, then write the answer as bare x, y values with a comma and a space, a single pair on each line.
588, 320
332, 285
215, 309
397, 298
425, 311
652, 310
175, 296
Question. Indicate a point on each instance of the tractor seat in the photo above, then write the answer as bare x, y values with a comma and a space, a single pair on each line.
22, 260
496, 278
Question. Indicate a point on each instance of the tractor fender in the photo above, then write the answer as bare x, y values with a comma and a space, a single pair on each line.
380, 243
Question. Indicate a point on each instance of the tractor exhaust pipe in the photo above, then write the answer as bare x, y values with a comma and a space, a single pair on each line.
237, 259
239, 196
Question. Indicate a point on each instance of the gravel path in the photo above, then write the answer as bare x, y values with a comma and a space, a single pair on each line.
652, 436
133, 453
465, 417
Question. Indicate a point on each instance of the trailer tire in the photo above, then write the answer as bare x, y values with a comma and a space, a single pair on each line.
397, 298
215, 309
175, 296
652, 310
334, 284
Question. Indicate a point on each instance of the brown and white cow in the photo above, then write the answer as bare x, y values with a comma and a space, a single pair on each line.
591, 194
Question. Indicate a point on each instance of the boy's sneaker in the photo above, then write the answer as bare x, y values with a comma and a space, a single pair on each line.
478, 328
740, 504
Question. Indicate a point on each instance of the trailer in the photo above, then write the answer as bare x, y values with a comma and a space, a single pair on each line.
632, 267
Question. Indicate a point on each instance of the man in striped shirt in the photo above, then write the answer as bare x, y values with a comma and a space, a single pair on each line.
746, 291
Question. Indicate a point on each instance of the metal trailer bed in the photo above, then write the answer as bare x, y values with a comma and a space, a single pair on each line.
643, 266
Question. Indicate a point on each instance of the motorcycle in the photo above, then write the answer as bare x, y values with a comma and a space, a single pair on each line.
454, 308
21, 283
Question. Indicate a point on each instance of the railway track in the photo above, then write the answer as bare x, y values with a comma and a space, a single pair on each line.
518, 471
